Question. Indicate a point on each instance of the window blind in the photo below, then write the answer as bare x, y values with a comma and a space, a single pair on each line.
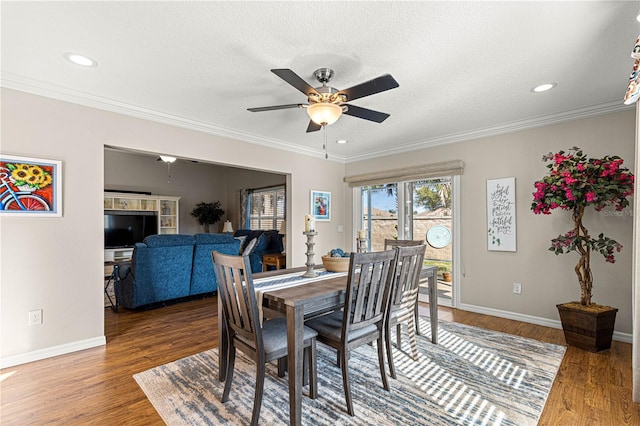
446, 168
266, 208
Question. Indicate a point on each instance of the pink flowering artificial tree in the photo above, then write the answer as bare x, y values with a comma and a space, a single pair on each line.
575, 182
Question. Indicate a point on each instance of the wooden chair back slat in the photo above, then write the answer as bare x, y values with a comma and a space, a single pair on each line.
390, 244
408, 269
368, 288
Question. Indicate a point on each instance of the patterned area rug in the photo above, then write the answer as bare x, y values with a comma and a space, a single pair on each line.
472, 377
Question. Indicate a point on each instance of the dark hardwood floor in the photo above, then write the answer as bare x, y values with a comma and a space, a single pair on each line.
96, 386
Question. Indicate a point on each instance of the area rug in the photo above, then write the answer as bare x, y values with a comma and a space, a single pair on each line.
472, 377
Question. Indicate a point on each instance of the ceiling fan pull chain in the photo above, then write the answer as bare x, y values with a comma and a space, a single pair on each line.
324, 146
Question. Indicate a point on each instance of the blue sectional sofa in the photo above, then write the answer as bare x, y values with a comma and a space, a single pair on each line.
167, 267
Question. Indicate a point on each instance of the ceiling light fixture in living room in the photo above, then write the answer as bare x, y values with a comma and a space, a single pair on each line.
167, 159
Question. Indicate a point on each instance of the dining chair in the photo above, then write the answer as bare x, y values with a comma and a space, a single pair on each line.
403, 300
264, 342
391, 243
362, 319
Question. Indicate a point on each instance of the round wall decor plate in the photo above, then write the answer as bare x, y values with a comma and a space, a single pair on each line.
438, 236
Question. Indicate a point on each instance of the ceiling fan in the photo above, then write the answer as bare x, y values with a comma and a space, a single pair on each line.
326, 104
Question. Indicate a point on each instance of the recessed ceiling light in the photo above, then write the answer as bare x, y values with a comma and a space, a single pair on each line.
544, 87
341, 141
81, 60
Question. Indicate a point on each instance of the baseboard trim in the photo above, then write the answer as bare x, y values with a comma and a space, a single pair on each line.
52, 351
621, 337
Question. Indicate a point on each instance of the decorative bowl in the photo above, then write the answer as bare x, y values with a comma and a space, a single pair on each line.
335, 264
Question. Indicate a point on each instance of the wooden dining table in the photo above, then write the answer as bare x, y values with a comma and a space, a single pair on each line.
304, 301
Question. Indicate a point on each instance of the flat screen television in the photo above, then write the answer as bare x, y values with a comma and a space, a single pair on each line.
124, 229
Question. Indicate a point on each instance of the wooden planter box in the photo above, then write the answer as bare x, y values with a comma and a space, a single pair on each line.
589, 328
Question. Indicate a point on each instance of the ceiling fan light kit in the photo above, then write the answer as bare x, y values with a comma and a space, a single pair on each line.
324, 113
326, 104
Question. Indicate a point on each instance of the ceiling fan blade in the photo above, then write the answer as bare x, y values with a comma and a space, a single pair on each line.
271, 108
295, 80
371, 87
313, 126
365, 113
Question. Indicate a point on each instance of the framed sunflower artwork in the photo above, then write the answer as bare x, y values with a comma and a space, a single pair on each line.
30, 187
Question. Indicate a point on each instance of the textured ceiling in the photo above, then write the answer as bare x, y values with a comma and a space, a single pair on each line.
465, 69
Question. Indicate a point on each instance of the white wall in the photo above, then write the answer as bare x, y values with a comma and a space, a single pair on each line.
57, 264
194, 182
546, 279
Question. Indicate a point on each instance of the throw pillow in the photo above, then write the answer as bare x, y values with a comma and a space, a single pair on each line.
250, 236
241, 239
249, 248
262, 245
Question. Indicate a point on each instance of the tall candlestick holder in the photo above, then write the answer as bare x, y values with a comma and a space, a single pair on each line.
362, 244
310, 264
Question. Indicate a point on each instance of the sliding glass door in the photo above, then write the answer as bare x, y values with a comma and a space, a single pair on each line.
431, 221
380, 214
414, 210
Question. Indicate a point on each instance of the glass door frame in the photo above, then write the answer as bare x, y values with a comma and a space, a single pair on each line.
457, 270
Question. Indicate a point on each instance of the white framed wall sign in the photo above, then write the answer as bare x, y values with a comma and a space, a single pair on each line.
501, 214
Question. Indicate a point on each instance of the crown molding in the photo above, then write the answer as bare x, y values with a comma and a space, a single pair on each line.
17, 82
540, 121
36, 87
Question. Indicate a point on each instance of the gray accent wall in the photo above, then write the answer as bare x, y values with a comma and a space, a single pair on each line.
194, 182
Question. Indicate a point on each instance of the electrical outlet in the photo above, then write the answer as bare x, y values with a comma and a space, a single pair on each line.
517, 288
35, 317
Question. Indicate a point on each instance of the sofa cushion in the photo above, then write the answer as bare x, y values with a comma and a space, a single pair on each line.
169, 240
274, 243
160, 270
203, 279
269, 241
214, 239
262, 243
250, 236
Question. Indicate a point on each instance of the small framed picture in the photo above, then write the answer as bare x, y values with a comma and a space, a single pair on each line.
30, 187
321, 205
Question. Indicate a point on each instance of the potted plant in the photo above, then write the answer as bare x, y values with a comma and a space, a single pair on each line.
207, 213
573, 183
